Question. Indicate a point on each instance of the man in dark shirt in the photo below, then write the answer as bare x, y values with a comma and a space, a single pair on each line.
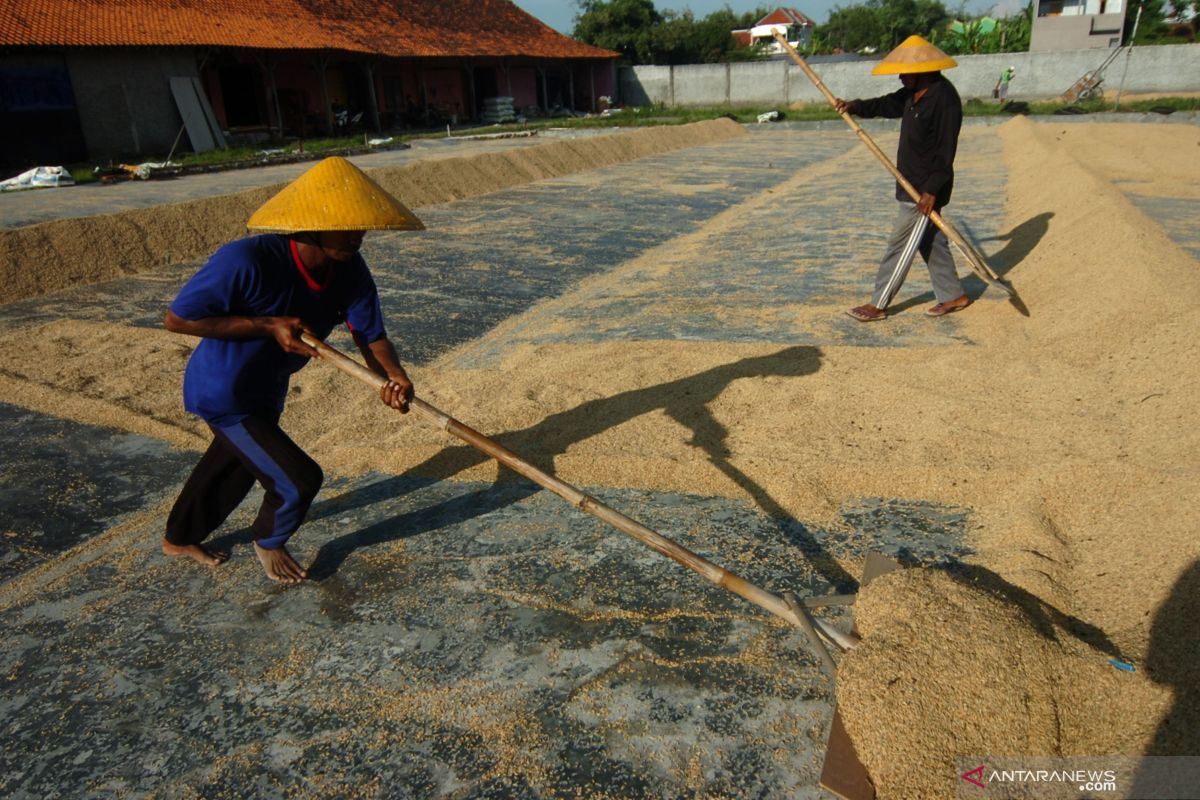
249, 304
931, 116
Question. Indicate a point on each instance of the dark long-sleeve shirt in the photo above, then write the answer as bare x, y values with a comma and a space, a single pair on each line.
928, 136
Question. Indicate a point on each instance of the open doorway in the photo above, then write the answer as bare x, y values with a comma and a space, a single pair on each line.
485, 86
241, 88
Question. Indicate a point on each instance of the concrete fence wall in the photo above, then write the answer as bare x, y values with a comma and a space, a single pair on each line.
1166, 68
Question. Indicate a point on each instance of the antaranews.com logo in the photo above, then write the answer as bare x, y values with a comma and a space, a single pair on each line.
1095, 778
1084, 780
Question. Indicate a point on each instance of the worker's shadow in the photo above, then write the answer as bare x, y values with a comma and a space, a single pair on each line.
1020, 242
1049, 621
1173, 659
686, 401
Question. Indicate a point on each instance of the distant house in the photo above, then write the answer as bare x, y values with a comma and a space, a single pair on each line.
787, 21
1077, 24
93, 79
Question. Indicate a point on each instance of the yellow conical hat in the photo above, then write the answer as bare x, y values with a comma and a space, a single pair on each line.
334, 195
914, 54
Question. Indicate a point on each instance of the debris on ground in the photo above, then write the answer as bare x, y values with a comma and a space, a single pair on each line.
38, 178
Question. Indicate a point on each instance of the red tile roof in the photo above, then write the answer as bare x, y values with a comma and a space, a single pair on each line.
786, 16
398, 28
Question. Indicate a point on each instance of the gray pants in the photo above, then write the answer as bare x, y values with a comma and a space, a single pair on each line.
914, 234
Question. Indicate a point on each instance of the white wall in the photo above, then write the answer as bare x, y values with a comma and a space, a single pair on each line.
1165, 68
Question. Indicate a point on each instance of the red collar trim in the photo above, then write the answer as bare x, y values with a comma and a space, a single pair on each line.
312, 284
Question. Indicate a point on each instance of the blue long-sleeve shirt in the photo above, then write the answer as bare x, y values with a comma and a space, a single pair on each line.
928, 136
228, 379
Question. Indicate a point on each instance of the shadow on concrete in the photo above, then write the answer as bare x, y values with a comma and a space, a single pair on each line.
1173, 659
456, 510
684, 400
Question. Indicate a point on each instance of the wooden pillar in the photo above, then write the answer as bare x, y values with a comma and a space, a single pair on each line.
267, 64
473, 109
322, 64
372, 101
571, 85
592, 82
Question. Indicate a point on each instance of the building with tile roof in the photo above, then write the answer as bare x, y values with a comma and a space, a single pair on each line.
787, 21
127, 78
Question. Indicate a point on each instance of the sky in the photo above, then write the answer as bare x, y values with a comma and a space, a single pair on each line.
560, 14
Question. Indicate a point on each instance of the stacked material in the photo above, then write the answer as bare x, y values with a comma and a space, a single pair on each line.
38, 178
498, 109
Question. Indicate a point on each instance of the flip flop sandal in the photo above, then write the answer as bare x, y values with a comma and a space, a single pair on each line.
863, 314
941, 310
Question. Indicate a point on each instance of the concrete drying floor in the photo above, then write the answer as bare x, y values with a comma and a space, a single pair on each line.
463, 639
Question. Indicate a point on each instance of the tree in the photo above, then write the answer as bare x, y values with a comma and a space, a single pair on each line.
1161, 22
852, 29
881, 24
712, 37
621, 25
1015, 31
1184, 20
986, 35
644, 36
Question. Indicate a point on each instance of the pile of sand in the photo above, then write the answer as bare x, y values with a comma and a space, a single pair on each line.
1066, 432
44, 258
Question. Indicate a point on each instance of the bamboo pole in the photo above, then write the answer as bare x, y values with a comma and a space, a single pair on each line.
973, 256
807, 624
713, 573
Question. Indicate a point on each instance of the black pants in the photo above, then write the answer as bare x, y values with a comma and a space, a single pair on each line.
256, 449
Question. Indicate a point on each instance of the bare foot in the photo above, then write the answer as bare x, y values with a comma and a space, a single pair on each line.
201, 555
280, 565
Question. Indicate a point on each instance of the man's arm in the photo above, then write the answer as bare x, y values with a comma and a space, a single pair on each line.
381, 357
284, 330
890, 106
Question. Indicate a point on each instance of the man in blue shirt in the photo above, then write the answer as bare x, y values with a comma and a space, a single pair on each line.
931, 118
250, 303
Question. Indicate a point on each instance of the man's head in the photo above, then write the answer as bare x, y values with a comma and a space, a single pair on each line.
332, 205
915, 80
334, 245
915, 60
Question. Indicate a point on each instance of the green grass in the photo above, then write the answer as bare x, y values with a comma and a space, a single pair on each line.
630, 117
1177, 103
84, 173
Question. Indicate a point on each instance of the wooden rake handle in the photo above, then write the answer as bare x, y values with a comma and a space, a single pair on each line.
721, 577
973, 256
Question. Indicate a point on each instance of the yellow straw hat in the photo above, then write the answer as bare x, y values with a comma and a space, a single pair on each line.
914, 54
334, 195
